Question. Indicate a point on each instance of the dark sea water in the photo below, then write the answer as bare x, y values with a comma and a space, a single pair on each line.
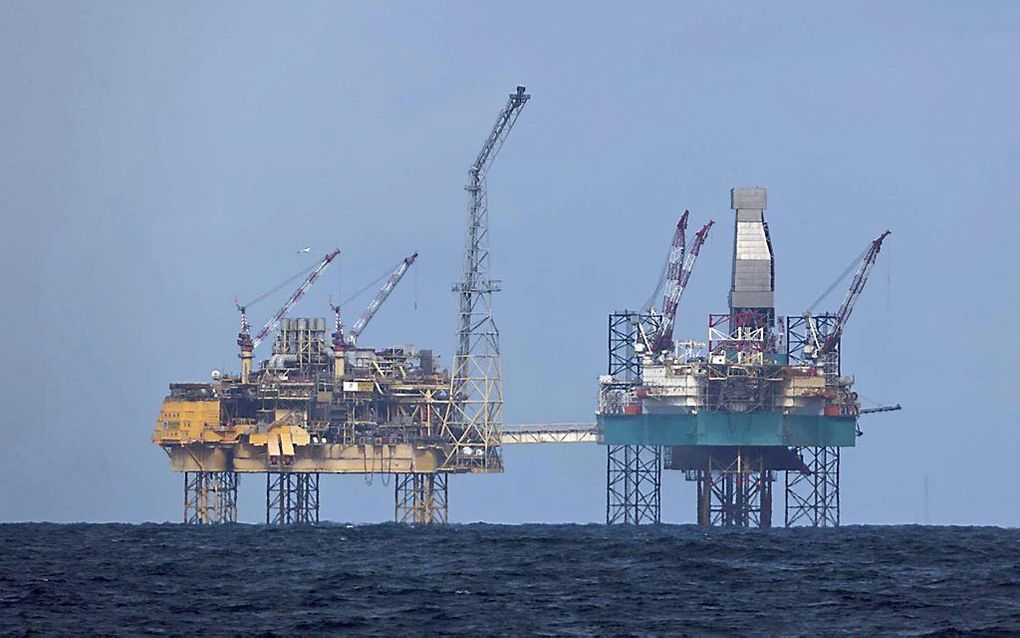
492, 579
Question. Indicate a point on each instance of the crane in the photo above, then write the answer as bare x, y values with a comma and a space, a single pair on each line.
671, 278
681, 265
675, 262
359, 326
856, 288
248, 343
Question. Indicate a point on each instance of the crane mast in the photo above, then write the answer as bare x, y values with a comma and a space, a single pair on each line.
475, 412
249, 343
856, 288
381, 296
679, 274
338, 343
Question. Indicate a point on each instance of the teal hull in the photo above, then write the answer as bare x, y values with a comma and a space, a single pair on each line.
726, 428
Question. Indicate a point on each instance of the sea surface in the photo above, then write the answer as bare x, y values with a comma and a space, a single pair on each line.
511, 580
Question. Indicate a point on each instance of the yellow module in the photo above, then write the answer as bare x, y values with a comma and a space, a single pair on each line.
184, 421
195, 420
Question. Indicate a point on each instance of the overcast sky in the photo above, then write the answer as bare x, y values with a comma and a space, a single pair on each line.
157, 159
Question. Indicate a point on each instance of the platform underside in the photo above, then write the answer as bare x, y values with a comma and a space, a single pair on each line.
706, 458
728, 429
399, 458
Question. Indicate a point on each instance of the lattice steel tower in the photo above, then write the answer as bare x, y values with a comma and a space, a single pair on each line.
475, 417
633, 472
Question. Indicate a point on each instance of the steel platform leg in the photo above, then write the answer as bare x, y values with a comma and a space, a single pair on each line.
292, 497
420, 498
813, 498
210, 497
704, 498
633, 484
735, 492
765, 486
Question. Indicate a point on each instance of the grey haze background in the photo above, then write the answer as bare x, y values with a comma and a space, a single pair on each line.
159, 158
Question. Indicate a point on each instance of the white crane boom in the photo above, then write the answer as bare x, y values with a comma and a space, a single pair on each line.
294, 298
381, 296
856, 288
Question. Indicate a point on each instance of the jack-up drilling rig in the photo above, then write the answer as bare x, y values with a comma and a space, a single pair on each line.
758, 397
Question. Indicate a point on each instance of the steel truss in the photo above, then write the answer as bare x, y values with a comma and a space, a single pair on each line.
735, 493
633, 472
627, 328
421, 498
210, 497
633, 484
292, 497
799, 335
813, 498
623, 364
741, 337
474, 419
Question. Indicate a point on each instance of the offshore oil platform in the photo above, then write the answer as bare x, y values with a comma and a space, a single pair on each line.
316, 406
763, 394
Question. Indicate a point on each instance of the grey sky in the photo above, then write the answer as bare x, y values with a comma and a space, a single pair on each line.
159, 158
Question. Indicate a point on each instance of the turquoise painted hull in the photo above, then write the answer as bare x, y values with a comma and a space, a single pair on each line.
727, 428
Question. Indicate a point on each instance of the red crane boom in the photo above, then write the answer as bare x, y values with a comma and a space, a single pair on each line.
678, 276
